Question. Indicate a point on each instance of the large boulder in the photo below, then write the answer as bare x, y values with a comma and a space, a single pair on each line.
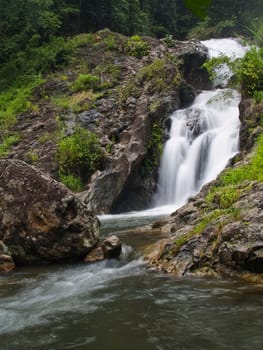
40, 219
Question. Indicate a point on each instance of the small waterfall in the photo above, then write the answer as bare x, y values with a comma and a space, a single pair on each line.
202, 138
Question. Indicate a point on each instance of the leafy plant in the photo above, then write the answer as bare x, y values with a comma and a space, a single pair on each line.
86, 82
250, 71
79, 154
137, 47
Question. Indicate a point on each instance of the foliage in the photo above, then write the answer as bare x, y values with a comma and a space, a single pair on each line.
73, 182
77, 102
137, 47
154, 147
13, 101
235, 181
7, 142
86, 82
251, 72
208, 28
199, 7
79, 154
26, 65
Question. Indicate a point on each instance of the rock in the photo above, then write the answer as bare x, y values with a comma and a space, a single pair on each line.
229, 245
111, 247
95, 255
6, 263
42, 221
108, 249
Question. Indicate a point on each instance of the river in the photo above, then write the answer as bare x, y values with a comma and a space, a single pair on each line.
122, 305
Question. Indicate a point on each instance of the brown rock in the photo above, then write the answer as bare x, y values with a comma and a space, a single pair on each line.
111, 247
6, 263
108, 249
40, 219
97, 254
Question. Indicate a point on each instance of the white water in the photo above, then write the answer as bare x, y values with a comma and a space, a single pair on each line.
203, 138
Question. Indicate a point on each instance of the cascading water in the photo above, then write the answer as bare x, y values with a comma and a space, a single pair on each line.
203, 137
202, 140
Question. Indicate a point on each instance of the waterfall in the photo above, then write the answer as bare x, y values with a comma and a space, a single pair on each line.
203, 137
202, 140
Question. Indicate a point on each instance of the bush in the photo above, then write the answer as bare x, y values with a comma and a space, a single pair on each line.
86, 82
137, 47
79, 154
250, 72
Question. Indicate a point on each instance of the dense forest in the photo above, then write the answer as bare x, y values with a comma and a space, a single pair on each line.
26, 24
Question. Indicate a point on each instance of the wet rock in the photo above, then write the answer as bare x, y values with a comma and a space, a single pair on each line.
40, 219
111, 247
108, 249
6, 263
96, 255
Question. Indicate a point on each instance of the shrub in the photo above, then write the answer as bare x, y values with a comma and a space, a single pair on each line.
137, 47
250, 71
78, 154
86, 82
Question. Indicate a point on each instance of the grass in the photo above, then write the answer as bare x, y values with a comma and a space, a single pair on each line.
77, 102
7, 142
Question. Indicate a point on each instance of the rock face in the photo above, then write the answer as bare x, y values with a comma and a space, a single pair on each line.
40, 219
202, 242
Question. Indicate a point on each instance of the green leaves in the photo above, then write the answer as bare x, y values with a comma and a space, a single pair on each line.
198, 7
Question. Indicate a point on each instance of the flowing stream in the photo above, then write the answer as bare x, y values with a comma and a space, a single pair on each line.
121, 305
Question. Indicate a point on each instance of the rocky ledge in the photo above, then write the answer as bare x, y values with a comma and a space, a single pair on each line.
210, 242
41, 221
